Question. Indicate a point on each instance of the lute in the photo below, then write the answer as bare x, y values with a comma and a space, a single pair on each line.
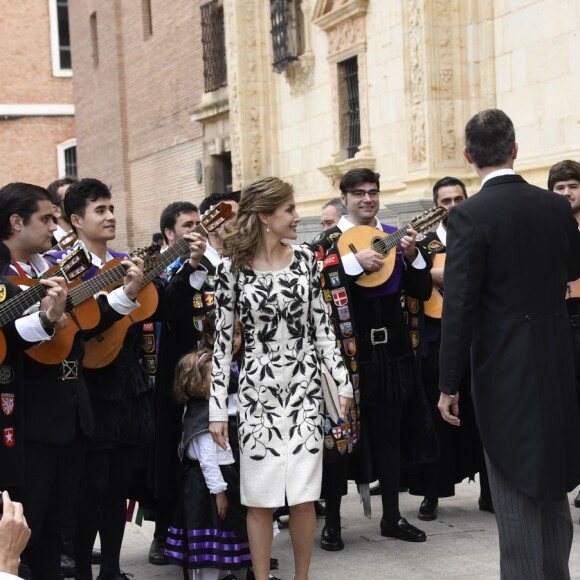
362, 237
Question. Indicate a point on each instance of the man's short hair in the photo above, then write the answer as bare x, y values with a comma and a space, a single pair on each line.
56, 185
490, 138
21, 199
215, 198
446, 182
170, 214
157, 238
355, 176
336, 203
563, 171
81, 193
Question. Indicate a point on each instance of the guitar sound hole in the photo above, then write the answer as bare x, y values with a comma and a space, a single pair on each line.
377, 246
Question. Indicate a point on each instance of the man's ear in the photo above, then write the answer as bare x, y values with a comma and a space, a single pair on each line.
169, 234
467, 155
515, 152
76, 221
16, 222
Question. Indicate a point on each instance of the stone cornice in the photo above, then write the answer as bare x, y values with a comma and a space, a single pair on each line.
328, 19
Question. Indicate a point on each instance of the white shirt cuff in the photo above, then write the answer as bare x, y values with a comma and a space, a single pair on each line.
120, 302
351, 265
419, 262
197, 278
30, 329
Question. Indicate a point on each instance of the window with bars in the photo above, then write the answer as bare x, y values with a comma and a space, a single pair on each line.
350, 106
66, 158
287, 32
70, 161
213, 40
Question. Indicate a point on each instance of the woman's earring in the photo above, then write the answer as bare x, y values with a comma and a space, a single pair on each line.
267, 226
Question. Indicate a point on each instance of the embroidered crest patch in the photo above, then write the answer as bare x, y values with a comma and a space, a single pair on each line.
435, 246
9, 436
6, 374
339, 296
7, 400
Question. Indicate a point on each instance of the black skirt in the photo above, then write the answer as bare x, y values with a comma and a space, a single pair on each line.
198, 538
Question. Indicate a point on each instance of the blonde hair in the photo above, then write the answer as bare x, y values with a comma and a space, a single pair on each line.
189, 371
262, 196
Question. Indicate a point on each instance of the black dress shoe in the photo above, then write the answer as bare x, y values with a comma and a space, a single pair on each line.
157, 552
96, 556
577, 500
428, 510
375, 489
485, 506
274, 564
402, 530
331, 540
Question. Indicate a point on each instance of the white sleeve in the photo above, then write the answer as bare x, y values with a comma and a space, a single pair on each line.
120, 302
419, 262
205, 450
351, 265
30, 329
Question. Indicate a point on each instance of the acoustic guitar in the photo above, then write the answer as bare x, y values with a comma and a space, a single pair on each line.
434, 306
362, 237
70, 266
65, 242
104, 349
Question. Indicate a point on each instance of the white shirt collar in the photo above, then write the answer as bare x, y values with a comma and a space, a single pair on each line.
345, 224
442, 233
36, 266
497, 173
96, 261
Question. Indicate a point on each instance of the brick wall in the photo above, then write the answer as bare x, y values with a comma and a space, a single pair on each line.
28, 144
133, 127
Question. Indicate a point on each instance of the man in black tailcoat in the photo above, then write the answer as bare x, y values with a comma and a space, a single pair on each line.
504, 299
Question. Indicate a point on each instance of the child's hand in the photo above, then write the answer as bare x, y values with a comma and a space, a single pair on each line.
221, 500
219, 433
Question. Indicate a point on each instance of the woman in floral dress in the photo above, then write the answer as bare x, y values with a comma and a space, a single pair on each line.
275, 290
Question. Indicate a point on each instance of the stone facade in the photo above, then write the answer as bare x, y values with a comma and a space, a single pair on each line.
424, 68
36, 101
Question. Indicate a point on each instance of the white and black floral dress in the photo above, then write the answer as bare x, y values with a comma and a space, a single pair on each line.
287, 332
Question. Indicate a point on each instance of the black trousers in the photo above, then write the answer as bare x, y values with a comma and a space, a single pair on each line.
49, 496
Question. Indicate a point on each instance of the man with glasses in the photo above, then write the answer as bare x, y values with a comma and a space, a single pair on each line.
389, 421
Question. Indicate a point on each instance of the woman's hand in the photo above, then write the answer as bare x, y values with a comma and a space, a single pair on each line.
221, 500
219, 433
344, 406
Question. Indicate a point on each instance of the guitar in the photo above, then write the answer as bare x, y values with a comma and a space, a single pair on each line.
72, 265
103, 350
434, 306
65, 242
362, 237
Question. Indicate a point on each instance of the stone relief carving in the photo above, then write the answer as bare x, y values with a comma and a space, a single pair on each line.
347, 33
300, 74
417, 85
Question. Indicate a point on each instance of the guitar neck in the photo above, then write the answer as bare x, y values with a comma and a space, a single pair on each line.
178, 249
392, 240
89, 288
13, 308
